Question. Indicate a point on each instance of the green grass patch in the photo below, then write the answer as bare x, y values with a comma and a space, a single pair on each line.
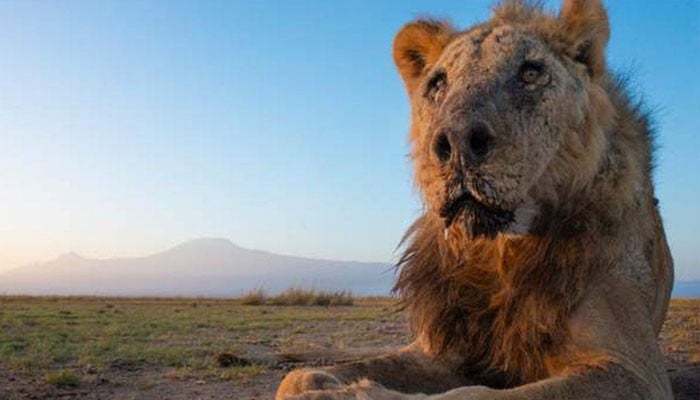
63, 379
41, 335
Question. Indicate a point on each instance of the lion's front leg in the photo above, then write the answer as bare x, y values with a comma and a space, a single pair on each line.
409, 370
599, 382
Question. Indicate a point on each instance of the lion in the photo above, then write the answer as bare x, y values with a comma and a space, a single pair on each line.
539, 268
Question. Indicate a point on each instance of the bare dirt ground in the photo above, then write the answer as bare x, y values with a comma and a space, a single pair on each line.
93, 348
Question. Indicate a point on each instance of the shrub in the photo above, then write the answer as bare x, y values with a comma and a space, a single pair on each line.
312, 297
255, 297
298, 297
294, 297
341, 298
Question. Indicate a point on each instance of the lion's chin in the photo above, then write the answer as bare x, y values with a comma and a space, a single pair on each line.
481, 222
478, 221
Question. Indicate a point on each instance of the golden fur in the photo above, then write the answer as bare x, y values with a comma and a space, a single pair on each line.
539, 268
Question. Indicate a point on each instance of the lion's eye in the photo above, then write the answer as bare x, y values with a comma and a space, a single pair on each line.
532, 73
436, 87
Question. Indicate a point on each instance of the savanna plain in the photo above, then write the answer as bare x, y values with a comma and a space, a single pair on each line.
179, 348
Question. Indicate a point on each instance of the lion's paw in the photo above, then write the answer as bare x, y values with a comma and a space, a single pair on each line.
304, 380
363, 390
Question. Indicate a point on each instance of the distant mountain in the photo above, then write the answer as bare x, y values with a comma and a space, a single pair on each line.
201, 267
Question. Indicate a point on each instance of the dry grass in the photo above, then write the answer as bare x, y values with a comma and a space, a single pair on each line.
298, 297
680, 338
255, 297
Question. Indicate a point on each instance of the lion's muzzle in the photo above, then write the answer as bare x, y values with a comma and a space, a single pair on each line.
479, 219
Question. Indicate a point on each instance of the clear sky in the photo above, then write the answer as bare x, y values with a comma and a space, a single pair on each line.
129, 126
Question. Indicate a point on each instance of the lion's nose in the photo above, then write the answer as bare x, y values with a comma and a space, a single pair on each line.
480, 142
472, 144
442, 147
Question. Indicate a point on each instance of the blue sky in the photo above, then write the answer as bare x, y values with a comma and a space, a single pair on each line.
129, 126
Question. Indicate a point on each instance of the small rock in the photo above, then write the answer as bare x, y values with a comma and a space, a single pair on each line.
226, 360
90, 370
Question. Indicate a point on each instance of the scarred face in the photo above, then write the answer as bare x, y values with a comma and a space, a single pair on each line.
497, 110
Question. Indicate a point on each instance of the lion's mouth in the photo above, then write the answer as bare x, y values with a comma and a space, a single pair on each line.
479, 219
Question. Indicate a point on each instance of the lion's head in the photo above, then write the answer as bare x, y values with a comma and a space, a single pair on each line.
508, 117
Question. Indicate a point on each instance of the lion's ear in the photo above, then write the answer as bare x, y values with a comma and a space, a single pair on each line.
585, 29
417, 46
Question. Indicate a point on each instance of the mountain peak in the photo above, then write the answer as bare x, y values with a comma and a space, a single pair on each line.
203, 247
71, 256
208, 242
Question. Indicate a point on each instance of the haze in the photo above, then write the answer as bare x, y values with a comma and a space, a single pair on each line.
129, 127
